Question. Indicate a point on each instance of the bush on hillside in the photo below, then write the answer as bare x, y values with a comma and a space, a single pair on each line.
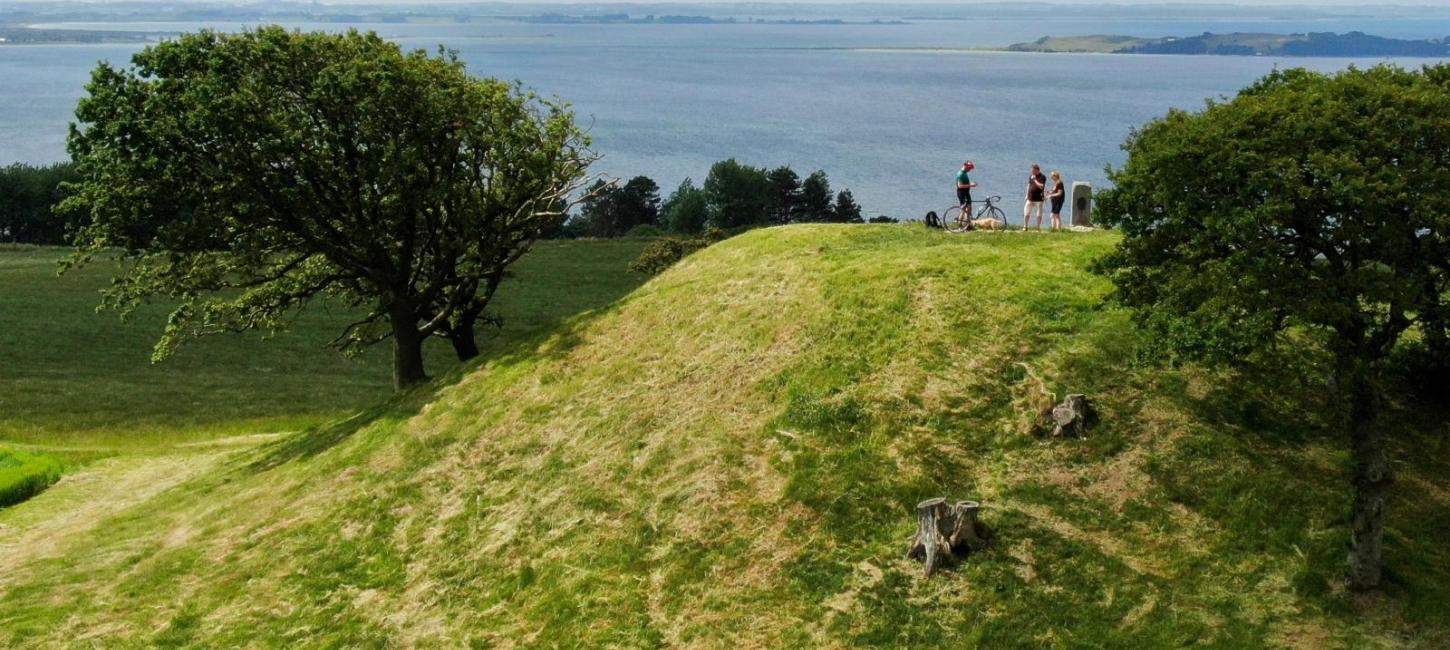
665, 252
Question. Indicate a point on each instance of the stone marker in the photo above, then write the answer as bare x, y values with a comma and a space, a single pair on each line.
1082, 204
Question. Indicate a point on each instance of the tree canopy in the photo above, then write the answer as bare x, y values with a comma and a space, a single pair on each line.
815, 202
738, 194
686, 210
846, 210
1308, 208
246, 174
611, 210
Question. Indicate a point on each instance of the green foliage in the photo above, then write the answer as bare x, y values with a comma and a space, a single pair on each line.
664, 252
246, 174
1309, 203
687, 210
1307, 211
785, 195
738, 194
881, 218
27, 197
24, 474
815, 198
846, 210
613, 210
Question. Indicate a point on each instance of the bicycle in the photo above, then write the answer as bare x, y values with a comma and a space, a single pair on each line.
958, 219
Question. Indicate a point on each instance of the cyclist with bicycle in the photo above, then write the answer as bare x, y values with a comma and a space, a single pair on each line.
965, 185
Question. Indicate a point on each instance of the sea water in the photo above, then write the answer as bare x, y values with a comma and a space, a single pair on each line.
889, 111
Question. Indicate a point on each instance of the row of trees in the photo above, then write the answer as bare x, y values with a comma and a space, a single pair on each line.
28, 195
733, 195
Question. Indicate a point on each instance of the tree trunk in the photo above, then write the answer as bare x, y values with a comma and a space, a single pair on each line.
462, 337
1372, 479
407, 350
944, 532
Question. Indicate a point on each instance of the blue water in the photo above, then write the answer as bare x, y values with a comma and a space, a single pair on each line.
894, 126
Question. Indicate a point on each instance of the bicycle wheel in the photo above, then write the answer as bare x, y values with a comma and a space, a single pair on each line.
956, 219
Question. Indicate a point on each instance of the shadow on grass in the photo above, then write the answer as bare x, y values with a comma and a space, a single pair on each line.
316, 440
553, 338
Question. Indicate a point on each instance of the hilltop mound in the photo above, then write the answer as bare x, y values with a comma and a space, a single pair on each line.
729, 456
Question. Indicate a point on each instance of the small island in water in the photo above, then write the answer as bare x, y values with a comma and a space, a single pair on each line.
1239, 44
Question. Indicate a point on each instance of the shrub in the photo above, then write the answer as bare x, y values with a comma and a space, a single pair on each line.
24, 475
664, 252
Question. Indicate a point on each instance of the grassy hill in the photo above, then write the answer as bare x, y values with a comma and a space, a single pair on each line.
728, 456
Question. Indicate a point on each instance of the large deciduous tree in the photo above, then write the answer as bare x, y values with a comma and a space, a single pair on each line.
246, 174
1309, 207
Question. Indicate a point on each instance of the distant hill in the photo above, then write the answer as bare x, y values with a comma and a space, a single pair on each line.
1324, 44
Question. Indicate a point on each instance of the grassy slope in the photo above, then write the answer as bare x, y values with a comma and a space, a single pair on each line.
74, 379
728, 457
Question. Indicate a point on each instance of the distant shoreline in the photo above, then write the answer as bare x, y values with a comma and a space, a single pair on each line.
1312, 44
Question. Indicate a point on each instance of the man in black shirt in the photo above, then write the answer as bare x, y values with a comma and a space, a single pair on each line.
1036, 191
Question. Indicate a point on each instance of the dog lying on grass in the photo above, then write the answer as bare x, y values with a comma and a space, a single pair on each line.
933, 221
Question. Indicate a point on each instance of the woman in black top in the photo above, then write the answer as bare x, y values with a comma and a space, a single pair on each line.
1058, 196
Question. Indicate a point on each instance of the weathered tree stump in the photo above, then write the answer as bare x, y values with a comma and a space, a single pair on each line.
945, 532
1070, 418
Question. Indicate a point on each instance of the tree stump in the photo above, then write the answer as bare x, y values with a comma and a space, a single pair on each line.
1071, 416
945, 532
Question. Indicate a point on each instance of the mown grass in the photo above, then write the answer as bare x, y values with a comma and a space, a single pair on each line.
81, 382
728, 457
24, 474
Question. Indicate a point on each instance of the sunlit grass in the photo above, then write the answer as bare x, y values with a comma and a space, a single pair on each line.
25, 474
81, 382
728, 455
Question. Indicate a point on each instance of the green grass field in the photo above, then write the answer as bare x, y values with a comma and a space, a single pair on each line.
80, 382
728, 456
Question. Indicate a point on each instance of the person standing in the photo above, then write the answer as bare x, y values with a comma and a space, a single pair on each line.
964, 186
1036, 190
1058, 195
